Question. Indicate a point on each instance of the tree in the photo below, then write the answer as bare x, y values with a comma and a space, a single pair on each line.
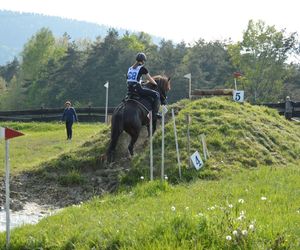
262, 56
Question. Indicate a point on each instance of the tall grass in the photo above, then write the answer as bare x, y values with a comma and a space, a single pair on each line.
257, 209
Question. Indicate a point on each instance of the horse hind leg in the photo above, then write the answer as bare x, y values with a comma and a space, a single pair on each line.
134, 136
115, 134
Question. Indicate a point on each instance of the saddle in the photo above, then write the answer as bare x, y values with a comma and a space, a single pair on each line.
145, 102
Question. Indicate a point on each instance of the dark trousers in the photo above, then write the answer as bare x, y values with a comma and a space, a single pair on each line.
137, 88
69, 125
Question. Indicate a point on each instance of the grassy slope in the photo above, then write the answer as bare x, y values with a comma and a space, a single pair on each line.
254, 140
205, 213
237, 135
43, 142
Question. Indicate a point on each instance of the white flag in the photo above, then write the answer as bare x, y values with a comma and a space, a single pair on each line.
189, 76
106, 84
2, 133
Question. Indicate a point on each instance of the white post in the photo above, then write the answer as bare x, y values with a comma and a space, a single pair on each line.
203, 146
190, 88
151, 146
7, 193
188, 138
162, 146
176, 143
189, 76
235, 85
106, 85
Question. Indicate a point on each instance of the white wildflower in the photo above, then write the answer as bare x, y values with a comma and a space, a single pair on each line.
251, 227
263, 198
235, 233
173, 208
200, 214
230, 206
228, 237
187, 208
241, 201
241, 217
142, 177
244, 232
166, 177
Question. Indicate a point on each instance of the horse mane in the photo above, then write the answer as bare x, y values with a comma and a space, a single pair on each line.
162, 82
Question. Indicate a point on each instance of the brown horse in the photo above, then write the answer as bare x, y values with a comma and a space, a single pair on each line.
131, 115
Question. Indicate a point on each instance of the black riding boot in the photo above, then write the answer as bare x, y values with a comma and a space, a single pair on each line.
155, 109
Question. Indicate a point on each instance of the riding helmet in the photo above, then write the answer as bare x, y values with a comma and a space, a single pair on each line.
140, 57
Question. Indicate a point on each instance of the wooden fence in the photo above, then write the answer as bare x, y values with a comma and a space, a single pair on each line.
89, 114
288, 108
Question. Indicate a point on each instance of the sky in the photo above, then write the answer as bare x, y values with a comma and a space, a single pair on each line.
177, 20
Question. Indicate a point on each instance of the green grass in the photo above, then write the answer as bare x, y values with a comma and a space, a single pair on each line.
237, 136
43, 142
263, 201
250, 182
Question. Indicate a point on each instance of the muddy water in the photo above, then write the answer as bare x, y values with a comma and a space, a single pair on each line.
31, 214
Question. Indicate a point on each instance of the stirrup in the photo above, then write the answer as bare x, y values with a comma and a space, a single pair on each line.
158, 115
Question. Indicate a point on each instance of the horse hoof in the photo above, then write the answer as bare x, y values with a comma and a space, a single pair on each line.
130, 153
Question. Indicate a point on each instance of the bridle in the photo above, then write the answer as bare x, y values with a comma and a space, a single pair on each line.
161, 85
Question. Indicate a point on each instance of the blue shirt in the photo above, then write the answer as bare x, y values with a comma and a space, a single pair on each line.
69, 115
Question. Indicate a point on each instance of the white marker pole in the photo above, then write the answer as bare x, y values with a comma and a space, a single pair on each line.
162, 146
188, 139
151, 146
6, 133
106, 85
203, 146
235, 85
176, 143
7, 193
189, 76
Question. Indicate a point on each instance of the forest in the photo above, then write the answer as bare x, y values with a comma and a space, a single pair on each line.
51, 69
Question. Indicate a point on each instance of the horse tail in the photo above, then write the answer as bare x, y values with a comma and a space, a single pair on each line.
116, 131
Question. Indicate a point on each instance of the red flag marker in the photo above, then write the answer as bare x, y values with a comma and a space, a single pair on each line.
8, 133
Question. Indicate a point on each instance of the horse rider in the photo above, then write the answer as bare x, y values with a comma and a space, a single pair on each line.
134, 75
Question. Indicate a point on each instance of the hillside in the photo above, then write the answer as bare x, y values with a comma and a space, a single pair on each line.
238, 136
245, 197
17, 28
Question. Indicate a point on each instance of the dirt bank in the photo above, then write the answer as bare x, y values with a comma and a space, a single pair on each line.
34, 187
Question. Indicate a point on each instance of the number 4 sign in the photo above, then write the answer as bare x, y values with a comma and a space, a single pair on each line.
197, 161
238, 95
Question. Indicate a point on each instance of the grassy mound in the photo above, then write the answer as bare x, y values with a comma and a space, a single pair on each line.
237, 135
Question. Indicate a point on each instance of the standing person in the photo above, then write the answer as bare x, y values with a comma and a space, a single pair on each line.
134, 75
69, 116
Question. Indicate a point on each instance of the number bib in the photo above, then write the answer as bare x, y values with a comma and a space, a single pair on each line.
132, 74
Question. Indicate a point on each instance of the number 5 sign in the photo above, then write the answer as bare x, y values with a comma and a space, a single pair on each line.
238, 95
196, 159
